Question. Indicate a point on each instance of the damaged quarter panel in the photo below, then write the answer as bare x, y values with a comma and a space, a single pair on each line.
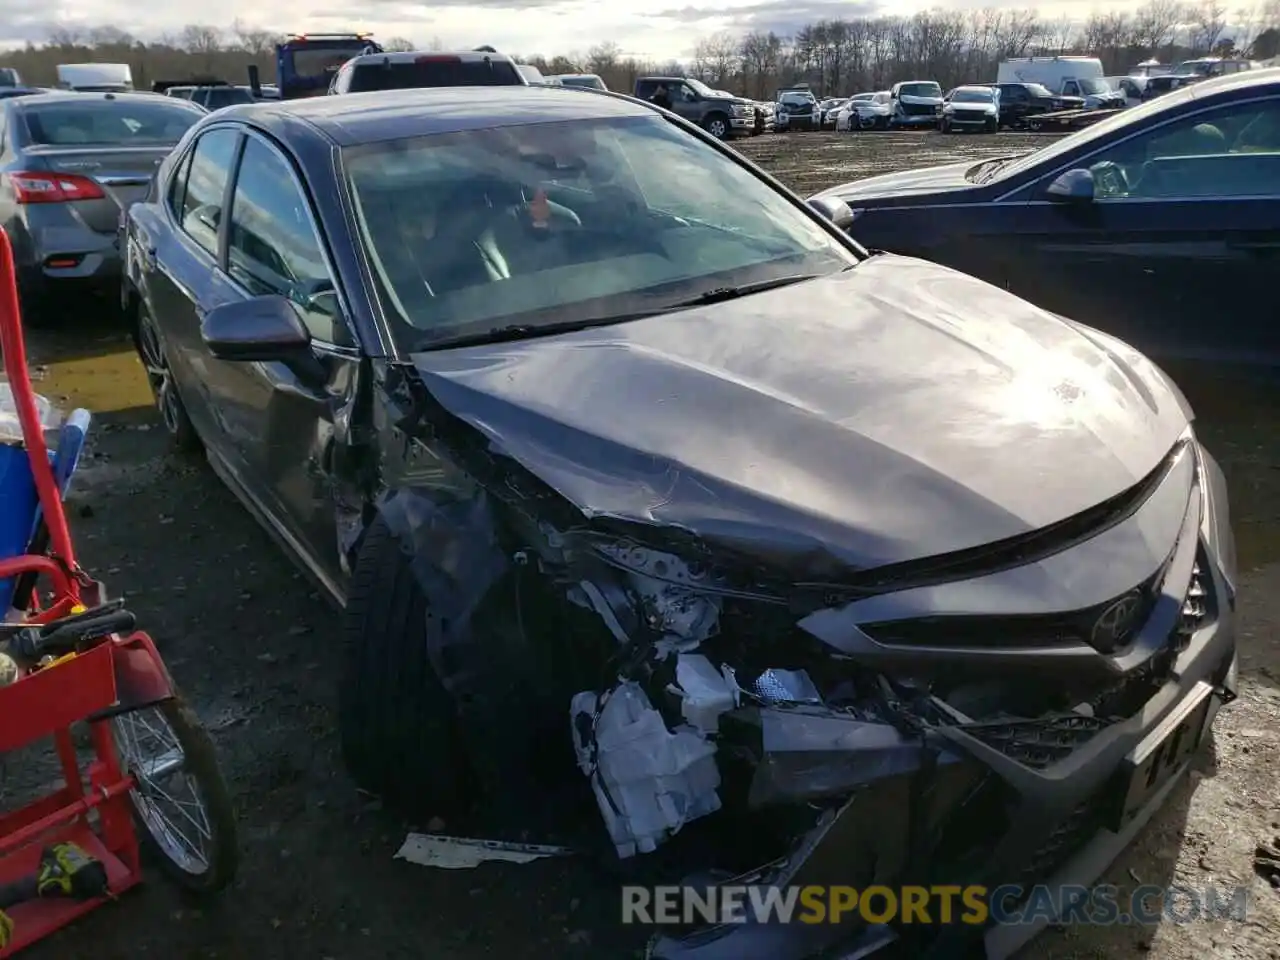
893, 412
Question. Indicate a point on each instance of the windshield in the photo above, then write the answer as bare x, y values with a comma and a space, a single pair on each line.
973, 96
1038, 90
590, 81
701, 88
1199, 68
432, 73
1098, 131
322, 59
133, 120
557, 222
218, 97
1095, 87
920, 90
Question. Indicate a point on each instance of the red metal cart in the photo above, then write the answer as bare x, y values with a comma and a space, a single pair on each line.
79, 659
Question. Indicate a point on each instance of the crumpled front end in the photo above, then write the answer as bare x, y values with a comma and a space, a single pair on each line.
963, 731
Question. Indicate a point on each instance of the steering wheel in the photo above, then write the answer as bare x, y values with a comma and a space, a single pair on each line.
1110, 179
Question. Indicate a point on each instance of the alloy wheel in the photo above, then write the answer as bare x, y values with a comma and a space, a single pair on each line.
158, 375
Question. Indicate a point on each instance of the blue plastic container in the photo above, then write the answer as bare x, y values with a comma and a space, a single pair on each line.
18, 505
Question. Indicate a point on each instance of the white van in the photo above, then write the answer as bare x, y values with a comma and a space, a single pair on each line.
1064, 76
95, 77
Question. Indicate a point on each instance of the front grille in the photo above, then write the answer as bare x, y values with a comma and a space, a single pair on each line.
1037, 743
1067, 838
1026, 630
1197, 608
919, 109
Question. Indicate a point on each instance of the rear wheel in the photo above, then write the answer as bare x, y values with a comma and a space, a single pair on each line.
173, 414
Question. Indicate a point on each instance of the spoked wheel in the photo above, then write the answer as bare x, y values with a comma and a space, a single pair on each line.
180, 801
160, 378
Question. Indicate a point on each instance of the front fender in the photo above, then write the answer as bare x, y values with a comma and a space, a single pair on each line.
141, 676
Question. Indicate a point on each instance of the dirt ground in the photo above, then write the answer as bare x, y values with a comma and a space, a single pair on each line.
254, 649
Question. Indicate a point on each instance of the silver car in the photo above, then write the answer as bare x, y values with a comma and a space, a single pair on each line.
70, 163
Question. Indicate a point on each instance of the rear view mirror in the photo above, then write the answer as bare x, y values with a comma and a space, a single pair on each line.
263, 330
1074, 186
834, 210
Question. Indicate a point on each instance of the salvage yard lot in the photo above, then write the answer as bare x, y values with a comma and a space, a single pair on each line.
255, 649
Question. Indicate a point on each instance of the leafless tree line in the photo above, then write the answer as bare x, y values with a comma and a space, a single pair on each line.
835, 56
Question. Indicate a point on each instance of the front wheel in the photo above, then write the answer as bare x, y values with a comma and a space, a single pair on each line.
718, 127
180, 800
992, 126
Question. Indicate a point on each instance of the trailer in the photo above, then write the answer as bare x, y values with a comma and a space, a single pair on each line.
1061, 121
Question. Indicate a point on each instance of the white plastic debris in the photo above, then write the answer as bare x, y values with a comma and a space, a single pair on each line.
705, 692
786, 686
11, 427
649, 781
463, 853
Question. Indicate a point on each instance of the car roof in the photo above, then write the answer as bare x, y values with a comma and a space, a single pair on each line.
80, 96
412, 56
356, 118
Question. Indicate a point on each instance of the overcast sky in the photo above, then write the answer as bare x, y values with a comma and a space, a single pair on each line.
657, 29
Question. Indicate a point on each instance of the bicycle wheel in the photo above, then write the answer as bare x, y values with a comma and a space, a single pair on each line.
181, 801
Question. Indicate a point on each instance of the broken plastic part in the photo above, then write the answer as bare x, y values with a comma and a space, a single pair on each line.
668, 588
786, 686
705, 692
456, 558
810, 753
648, 781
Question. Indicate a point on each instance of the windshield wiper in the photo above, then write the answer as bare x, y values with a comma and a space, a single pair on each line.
526, 331
720, 294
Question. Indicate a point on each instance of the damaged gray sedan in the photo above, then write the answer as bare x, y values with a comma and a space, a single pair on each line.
614, 450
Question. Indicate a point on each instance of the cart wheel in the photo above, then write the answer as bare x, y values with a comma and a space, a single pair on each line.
181, 801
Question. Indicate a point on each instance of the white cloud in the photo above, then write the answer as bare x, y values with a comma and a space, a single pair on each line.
658, 29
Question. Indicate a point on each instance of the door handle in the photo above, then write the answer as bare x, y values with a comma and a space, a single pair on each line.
149, 258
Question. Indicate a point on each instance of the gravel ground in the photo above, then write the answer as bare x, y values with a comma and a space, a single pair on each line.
254, 649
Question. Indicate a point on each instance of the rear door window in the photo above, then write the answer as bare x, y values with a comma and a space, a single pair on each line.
432, 72
206, 186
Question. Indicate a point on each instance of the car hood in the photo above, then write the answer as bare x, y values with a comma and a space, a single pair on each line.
905, 182
895, 411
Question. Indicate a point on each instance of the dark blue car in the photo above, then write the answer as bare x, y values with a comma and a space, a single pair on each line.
623, 461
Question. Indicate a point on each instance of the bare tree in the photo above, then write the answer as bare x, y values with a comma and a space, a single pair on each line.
253, 40
1208, 20
1060, 35
1155, 22
603, 57
399, 45
201, 39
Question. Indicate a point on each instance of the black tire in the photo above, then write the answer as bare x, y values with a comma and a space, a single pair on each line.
992, 126
36, 305
398, 725
151, 354
200, 764
717, 124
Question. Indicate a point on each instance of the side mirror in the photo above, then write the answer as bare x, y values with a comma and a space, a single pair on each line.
833, 209
1074, 186
263, 330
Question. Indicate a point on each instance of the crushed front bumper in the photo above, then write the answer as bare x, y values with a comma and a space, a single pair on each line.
1061, 820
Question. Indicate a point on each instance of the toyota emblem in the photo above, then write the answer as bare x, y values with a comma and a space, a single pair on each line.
1113, 625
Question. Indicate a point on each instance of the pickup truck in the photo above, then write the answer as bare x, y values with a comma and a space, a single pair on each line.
723, 116
1021, 100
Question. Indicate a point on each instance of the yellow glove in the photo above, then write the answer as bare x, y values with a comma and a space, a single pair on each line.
6, 929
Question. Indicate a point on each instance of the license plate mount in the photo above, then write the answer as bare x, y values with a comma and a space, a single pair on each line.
1160, 755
